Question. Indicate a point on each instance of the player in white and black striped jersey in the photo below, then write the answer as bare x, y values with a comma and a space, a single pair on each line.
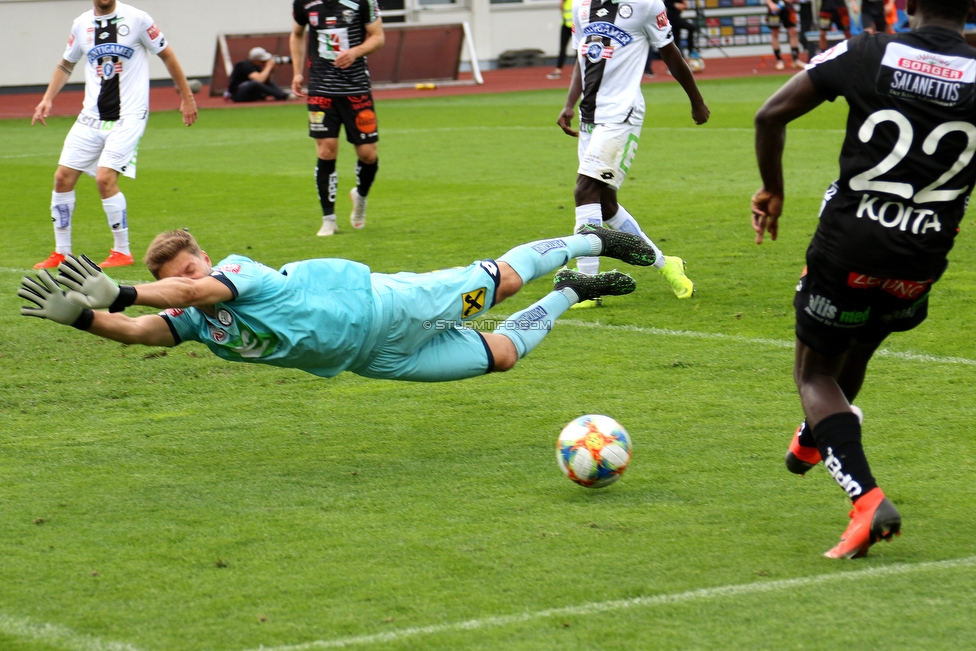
114, 39
341, 34
612, 40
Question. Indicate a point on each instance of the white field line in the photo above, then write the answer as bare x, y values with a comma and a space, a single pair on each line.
622, 604
58, 636
775, 343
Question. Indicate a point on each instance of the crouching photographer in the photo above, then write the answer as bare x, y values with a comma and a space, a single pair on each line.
250, 81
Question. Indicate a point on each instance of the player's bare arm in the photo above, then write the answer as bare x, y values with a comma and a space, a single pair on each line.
684, 76
797, 97
60, 77
565, 119
48, 301
188, 105
147, 330
183, 292
184, 281
374, 41
296, 44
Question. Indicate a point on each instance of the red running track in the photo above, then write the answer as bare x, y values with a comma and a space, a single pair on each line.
165, 98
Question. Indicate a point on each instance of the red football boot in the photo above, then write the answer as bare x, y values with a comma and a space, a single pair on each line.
873, 518
800, 458
53, 261
117, 259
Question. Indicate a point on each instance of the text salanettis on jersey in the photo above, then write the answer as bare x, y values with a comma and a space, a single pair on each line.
912, 73
906, 167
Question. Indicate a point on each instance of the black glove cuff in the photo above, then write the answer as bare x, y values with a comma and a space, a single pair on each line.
126, 297
84, 320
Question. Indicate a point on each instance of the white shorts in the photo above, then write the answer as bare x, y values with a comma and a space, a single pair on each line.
606, 151
93, 143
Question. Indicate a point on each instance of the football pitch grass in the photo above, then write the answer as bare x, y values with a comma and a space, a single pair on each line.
165, 500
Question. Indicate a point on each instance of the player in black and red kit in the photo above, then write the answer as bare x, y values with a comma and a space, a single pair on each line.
886, 226
341, 34
834, 13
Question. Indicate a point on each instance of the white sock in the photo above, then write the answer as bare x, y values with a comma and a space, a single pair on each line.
624, 221
62, 208
118, 221
589, 213
328, 218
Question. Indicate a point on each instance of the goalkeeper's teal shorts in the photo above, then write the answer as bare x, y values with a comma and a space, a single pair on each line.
426, 339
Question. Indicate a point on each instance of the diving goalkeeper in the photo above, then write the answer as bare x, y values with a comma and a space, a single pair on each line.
326, 316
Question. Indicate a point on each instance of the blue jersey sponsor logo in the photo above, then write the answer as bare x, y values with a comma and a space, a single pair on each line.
110, 50
609, 30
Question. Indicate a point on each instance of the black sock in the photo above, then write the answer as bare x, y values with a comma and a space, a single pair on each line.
365, 174
326, 180
778, 57
796, 53
839, 441
806, 436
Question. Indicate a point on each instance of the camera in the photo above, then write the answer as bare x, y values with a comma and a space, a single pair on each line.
280, 59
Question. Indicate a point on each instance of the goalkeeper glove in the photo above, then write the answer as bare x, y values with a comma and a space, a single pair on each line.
51, 303
88, 286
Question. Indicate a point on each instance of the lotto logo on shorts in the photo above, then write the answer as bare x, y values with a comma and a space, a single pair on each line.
174, 311
321, 102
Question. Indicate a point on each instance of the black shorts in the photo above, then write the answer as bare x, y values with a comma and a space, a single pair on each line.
837, 17
785, 18
873, 14
837, 308
356, 112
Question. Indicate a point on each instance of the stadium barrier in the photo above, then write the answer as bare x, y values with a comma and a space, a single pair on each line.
411, 54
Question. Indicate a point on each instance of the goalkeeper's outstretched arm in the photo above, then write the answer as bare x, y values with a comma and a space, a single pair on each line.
148, 330
50, 302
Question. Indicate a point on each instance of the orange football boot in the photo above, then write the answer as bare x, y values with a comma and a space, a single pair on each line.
53, 261
800, 458
117, 259
873, 518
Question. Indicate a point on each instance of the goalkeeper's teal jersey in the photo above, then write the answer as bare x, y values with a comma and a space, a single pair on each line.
319, 316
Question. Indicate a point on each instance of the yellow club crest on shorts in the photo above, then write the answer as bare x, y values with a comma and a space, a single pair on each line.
473, 302
316, 117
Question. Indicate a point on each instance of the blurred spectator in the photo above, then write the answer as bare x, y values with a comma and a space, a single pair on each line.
806, 26
251, 80
675, 7
782, 14
873, 16
833, 13
565, 33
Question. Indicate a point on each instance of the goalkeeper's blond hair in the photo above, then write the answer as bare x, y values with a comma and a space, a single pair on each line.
167, 246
